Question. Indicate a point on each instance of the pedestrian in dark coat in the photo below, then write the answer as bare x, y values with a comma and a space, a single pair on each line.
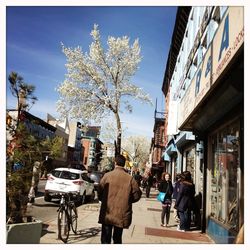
138, 178
184, 201
149, 184
117, 191
166, 187
175, 193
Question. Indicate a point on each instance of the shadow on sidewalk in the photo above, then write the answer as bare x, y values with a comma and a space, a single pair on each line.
45, 230
45, 205
84, 234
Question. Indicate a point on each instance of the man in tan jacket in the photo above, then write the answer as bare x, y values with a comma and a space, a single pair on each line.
117, 191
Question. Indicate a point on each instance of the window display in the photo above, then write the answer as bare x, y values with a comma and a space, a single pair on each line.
190, 161
224, 187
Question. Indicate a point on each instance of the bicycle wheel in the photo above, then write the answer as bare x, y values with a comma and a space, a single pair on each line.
63, 225
73, 216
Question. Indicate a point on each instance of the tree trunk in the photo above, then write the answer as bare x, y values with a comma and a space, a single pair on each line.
119, 134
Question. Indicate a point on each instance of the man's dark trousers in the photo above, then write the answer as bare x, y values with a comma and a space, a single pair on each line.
107, 234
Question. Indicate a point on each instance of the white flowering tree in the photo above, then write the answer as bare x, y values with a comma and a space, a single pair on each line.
98, 84
108, 132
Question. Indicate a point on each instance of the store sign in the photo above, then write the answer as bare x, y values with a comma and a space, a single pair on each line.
227, 41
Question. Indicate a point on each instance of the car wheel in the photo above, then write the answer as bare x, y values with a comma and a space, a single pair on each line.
47, 197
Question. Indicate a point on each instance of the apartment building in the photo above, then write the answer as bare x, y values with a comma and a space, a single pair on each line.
158, 166
62, 130
205, 88
75, 144
34, 125
91, 147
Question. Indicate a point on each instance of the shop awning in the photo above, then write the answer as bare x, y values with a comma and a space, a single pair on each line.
171, 149
183, 138
165, 156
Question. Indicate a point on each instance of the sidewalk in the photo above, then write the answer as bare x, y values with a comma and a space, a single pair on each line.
145, 227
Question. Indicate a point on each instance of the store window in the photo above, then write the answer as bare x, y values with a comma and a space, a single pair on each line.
224, 177
190, 161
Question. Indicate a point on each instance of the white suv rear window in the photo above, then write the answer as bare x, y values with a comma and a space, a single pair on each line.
65, 175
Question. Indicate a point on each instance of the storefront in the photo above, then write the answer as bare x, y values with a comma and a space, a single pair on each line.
185, 142
225, 177
171, 151
189, 160
213, 109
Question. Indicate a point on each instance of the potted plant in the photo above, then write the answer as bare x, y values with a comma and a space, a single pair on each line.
24, 152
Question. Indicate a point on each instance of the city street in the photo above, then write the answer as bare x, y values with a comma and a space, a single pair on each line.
45, 211
153, 91
145, 227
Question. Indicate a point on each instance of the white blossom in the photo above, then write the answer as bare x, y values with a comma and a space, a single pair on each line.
98, 83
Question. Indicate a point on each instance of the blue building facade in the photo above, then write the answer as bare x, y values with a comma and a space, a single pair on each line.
206, 85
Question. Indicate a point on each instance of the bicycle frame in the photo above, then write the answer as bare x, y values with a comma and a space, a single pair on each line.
67, 216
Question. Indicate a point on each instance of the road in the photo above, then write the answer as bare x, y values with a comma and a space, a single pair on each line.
42, 210
45, 211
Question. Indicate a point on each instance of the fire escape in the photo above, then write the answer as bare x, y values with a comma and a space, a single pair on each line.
158, 140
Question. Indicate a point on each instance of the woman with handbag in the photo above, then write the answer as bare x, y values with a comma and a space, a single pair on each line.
167, 188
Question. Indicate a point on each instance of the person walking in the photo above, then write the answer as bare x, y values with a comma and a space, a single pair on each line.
175, 193
138, 178
166, 186
184, 202
117, 191
34, 182
149, 183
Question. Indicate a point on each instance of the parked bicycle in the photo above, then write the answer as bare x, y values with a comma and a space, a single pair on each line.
67, 216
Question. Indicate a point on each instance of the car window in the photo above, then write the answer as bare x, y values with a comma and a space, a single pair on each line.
69, 175
85, 177
56, 173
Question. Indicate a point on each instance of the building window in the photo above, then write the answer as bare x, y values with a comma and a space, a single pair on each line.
204, 43
92, 145
212, 27
199, 55
223, 10
85, 160
191, 73
162, 135
190, 161
216, 16
192, 14
224, 205
195, 61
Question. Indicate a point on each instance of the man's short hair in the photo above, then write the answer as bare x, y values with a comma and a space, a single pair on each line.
120, 160
187, 176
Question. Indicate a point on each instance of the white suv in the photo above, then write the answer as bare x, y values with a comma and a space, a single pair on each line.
69, 180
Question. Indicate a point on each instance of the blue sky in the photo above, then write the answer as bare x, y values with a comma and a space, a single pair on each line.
34, 34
